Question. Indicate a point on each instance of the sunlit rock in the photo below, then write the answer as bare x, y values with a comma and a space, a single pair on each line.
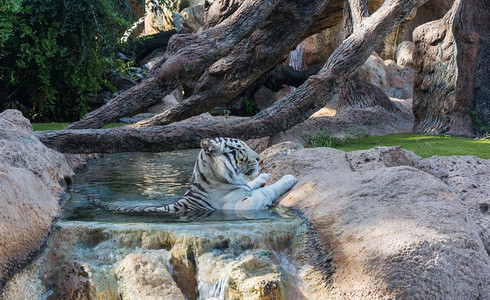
404, 54
145, 276
386, 223
29, 194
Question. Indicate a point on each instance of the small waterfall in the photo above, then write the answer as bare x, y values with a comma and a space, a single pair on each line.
212, 291
296, 57
213, 271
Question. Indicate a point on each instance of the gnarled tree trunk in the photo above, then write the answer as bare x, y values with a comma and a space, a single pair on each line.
356, 92
453, 70
290, 110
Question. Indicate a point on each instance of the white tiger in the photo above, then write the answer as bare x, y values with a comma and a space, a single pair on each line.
218, 182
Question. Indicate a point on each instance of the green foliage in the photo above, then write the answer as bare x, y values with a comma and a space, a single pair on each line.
321, 139
250, 106
324, 138
53, 54
483, 130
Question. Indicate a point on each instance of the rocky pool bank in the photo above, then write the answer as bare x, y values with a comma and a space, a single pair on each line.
380, 223
30, 175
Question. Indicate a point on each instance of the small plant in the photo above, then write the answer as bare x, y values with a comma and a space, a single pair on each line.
424, 148
324, 138
481, 129
354, 132
250, 106
321, 139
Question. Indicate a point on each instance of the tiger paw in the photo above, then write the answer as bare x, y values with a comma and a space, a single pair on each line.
263, 178
259, 181
289, 180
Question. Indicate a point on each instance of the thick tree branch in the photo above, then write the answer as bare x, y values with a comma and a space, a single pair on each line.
188, 55
251, 58
290, 110
359, 11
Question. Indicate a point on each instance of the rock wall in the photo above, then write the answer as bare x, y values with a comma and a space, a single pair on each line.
386, 224
29, 194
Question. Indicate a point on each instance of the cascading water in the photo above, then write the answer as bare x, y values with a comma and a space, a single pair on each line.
214, 256
296, 57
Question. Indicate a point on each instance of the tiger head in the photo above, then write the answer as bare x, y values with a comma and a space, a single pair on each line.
230, 158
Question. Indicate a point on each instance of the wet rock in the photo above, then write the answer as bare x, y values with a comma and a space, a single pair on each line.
145, 276
29, 177
74, 281
385, 223
184, 267
76, 161
252, 275
101, 248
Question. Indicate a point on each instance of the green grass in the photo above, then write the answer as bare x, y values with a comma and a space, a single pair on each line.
59, 126
422, 145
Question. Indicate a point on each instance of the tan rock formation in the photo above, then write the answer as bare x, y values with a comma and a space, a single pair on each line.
404, 54
395, 80
192, 18
385, 223
145, 276
29, 176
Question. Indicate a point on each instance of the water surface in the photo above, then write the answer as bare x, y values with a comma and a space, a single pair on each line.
142, 179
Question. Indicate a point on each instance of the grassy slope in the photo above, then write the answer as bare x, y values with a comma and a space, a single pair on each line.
423, 145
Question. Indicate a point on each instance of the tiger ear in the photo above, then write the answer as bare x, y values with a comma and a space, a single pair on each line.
210, 147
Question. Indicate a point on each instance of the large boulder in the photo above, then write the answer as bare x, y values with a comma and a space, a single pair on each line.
192, 18
29, 177
385, 223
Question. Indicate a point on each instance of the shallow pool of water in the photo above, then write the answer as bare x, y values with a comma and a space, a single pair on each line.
143, 179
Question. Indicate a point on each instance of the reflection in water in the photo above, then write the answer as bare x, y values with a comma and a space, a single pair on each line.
145, 179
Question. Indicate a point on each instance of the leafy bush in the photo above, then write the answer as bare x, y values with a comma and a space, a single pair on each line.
53, 54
